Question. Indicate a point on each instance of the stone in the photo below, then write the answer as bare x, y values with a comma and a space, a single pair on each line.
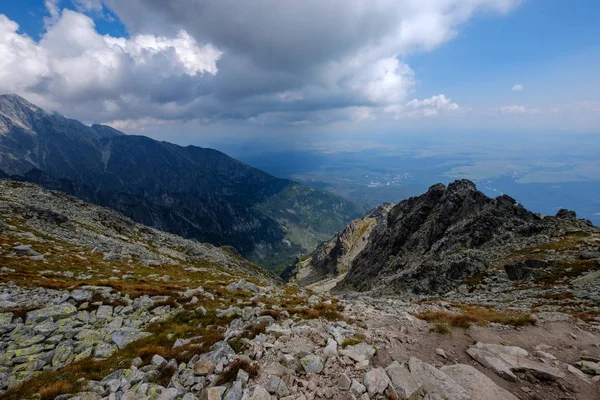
331, 349
5, 319
234, 392
81, 295
589, 367
104, 350
578, 373
62, 354
260, 393
357, 387
492, 362
344, 382
277, 369
213, 393
441, 353
477, 385
403, 382
277, 386
243, 377
359, 352
158, 361
435, 381
204, 367
123, 337
376, 381
55, 312
515, 358
181, 342
104, 312
312, 364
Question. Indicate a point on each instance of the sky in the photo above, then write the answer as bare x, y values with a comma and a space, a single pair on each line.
199, 71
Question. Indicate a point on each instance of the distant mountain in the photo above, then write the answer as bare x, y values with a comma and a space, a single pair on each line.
448, 238
190, 191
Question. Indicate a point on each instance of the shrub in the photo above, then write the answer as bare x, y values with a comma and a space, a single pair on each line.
442, 329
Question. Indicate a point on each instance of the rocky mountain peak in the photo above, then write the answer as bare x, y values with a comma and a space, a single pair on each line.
433, 243
18, 111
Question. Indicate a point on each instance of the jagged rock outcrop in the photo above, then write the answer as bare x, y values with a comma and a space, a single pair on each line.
190, 191
435, 242
333, 258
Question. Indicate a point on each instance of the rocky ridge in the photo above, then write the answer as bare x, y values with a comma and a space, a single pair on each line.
454, 238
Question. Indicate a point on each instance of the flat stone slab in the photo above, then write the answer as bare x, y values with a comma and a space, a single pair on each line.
476, 384
56, 312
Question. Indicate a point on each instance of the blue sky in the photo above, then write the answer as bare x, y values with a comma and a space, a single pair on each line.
199, 68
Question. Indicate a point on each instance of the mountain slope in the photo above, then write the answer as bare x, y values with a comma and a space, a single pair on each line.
194, 192
456, 235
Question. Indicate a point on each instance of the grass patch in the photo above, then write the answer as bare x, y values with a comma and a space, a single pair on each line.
55, 389
356, 339
564, 270
442, 329
475, 315
586, 316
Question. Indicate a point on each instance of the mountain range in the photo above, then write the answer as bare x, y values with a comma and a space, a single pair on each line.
190, 191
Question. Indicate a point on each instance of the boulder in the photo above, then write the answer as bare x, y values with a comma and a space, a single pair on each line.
312, 364
376, 381
435, 381
402, 380
476, 384
359, 352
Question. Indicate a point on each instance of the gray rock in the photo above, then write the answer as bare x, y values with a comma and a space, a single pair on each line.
344, 382
403, 382
357, 387
359, 352
158, 361
312, 364
81, 295
56, 312
104, 312
477, 385
260, 393
234, 392
435, 381
123, 337
376, 381
492, 362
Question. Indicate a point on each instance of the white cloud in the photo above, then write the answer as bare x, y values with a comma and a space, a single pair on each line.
514, 110
432, 107
73, 67
518, 87
292, 62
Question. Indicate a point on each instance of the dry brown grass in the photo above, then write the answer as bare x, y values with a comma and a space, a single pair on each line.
476, 315
229, 374
586, 316
55, 389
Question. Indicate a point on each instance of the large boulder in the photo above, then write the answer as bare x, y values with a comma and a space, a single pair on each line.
476, 384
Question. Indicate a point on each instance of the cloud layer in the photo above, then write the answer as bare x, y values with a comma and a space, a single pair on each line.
263, 61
